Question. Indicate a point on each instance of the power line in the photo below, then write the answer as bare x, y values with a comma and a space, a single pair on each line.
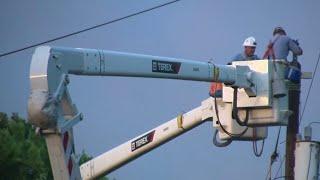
278, 170
87, 29
306, 101
280, 166
274, 155
281, 177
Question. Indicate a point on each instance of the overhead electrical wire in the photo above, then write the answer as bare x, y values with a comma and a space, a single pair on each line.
309, 90
281, 177
87, 29
280, 166
144, 11
275, 154
278, 170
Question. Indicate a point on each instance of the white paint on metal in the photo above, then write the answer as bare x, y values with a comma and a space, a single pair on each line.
261, 79
307, 160
123, 154
230, 124
57, 156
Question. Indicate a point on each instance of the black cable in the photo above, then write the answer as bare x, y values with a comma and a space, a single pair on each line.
269, 172
254, 145
313, 122
87, 29
306, 101
221, 126
280, 177
255, 150
280, 166
275, 154
277, 142
220, 143
278, 170
235, 109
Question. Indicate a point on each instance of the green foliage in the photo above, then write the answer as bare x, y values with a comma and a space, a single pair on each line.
86, 157
23, 154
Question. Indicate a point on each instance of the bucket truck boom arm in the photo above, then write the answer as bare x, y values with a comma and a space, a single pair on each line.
51, 109
128, 151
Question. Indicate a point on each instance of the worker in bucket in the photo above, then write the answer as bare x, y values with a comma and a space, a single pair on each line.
249, 45
280, 45
278, 48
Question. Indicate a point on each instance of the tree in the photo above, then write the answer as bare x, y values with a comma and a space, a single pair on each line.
23, 154
84, 158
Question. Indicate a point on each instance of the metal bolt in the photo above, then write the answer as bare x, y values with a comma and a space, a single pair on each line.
81, 116
54, 57
59, 66
66, 78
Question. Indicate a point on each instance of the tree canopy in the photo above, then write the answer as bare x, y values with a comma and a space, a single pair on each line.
23, 154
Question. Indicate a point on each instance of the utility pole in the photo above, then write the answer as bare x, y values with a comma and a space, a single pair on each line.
292, 127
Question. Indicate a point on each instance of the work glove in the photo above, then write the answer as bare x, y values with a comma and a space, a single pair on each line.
296, 42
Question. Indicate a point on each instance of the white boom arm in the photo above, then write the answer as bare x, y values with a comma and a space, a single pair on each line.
52, 111
52, 62
140, 145
132, 149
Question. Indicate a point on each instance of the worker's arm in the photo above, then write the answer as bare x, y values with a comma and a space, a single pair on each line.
294, 47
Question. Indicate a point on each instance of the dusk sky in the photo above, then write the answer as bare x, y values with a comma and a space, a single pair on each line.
117, 109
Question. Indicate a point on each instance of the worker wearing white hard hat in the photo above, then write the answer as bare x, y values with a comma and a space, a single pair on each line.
249, 45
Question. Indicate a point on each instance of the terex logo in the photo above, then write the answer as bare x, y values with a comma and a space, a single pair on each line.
136, 144
165, 67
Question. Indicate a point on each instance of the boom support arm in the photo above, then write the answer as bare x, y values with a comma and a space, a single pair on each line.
142, 144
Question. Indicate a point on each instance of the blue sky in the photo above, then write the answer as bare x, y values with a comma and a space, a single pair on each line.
119, 108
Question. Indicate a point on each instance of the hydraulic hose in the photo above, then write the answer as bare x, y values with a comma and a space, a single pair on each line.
235, 109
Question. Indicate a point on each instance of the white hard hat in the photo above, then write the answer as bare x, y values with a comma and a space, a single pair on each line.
250, 41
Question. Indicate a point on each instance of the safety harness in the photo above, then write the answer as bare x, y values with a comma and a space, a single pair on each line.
270, 52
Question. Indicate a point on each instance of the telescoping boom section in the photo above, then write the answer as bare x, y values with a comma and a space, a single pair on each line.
51, 110
54, 61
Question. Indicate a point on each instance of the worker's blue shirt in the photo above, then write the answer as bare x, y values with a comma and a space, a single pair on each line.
282, 44
244, 57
